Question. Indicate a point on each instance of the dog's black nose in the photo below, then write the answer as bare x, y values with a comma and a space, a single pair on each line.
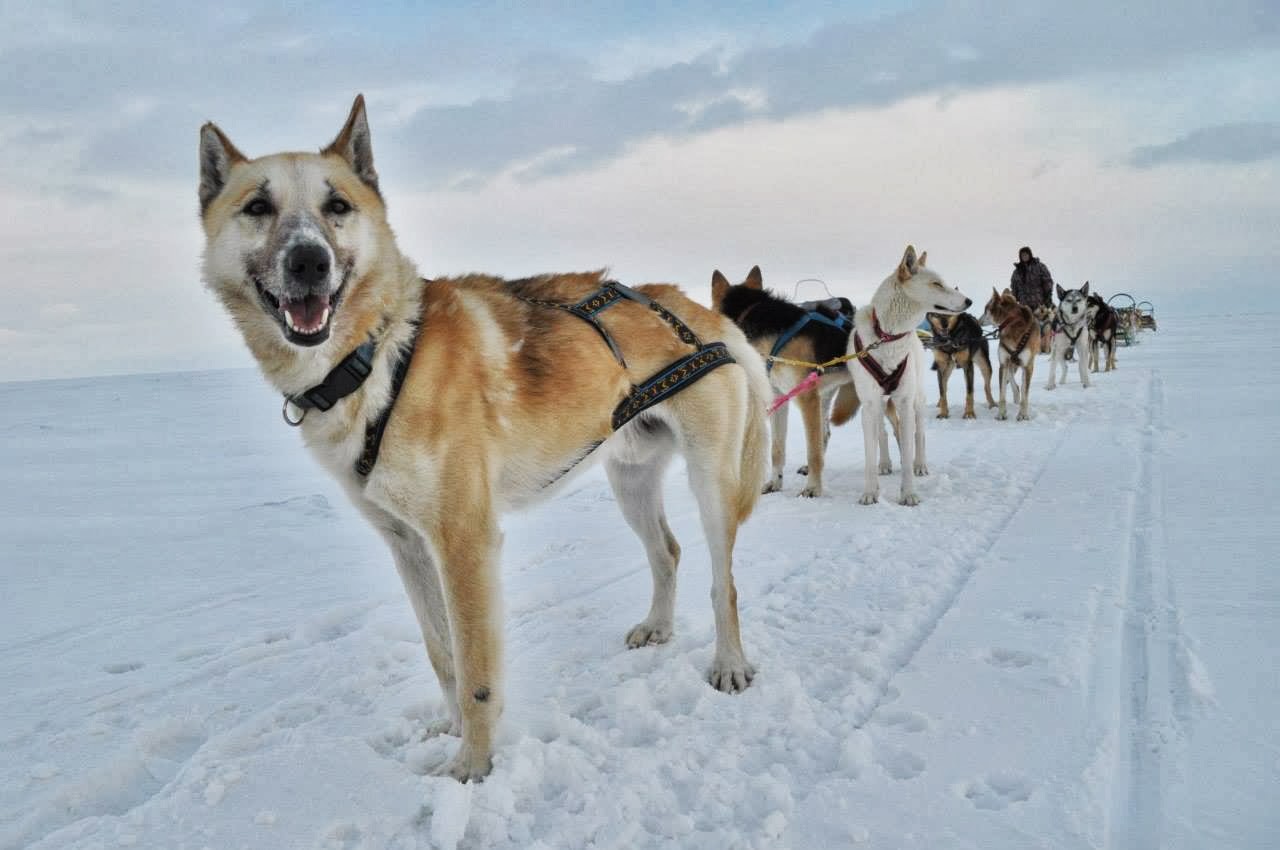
968, 302
308, 264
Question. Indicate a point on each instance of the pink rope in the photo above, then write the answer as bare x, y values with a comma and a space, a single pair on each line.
804, 386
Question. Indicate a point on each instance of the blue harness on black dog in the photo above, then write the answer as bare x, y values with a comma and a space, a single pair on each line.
840, 322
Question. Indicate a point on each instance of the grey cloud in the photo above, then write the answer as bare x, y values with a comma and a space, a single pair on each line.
862, 63
270, 74
1225, 143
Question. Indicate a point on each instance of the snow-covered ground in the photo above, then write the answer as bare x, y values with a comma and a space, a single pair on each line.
1070, 643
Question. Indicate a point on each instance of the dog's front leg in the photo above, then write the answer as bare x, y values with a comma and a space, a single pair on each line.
922, 465
422, 585
944, 367
1054, 359
968, 389
906, 405
465, 537
872, 434
1027, 371
1081, 355
778, 433
811, 409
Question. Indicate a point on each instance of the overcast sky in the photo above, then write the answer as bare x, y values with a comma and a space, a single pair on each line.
1134, 144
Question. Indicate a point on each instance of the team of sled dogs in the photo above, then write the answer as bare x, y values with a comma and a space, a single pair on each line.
440, 404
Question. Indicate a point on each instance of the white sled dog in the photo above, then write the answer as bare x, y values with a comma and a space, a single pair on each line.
1071, 333
439, 404
889, 363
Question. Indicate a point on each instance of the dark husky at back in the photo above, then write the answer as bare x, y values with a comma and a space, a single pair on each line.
762, 315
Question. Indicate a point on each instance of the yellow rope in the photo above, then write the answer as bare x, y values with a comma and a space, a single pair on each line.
820, 367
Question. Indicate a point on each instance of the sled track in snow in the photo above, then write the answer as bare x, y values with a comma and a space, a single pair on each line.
1144, 687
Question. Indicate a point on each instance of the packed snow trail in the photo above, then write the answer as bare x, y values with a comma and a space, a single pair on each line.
1065, 645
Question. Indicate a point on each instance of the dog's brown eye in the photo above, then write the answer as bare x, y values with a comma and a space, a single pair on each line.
337, 206
258, 207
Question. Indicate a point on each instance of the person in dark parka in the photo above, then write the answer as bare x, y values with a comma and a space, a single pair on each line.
1031, 282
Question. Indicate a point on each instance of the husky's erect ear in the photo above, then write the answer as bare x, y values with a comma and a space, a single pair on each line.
1062, 293
755, 280
719, 288
908, 265
924, 255
353, 145
1084, 290
217, 155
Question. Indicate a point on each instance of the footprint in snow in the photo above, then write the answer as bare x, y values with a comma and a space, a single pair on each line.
900, 763
996, 791
1010, 659
122, 667
907, 721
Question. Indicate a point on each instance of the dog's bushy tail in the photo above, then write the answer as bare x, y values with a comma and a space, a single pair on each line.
753, 468
846, 404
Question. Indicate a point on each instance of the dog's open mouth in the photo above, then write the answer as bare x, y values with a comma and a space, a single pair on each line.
304, 321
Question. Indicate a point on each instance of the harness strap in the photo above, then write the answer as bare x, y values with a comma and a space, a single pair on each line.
374, 430
888, 381
1022, 343
843, 323
670, 381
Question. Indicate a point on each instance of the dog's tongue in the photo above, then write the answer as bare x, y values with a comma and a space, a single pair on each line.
308, 315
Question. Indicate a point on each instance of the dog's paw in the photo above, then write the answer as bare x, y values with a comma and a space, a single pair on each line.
1002, 416
920, 469
648, 634
909, 499
886, 468
1050, 386
869, 499
969, 414
443, 726
1023, 417
804, 470
772, 487
731, 677
944, 415
811, 492
466, 768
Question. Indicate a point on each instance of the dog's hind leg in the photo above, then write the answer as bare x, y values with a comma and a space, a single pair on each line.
944, 365
1005, 369
712, 463
967, 365
778, 433
638, 489
811, 410
983, 357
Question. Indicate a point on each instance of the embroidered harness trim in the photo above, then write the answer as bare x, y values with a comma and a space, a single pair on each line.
662, 384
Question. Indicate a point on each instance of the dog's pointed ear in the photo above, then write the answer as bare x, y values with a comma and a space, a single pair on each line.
935, 321
354, 145
1062, 293
217, 155
755, 279
1084, 290
719, 289
908, 265
924, 255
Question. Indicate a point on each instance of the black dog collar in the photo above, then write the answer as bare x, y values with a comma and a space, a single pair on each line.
342, 381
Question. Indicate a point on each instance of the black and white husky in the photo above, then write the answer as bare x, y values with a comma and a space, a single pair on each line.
1071, 333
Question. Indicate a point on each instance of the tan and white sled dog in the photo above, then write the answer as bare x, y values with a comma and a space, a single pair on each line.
889, 365
1019, 342
499, 396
